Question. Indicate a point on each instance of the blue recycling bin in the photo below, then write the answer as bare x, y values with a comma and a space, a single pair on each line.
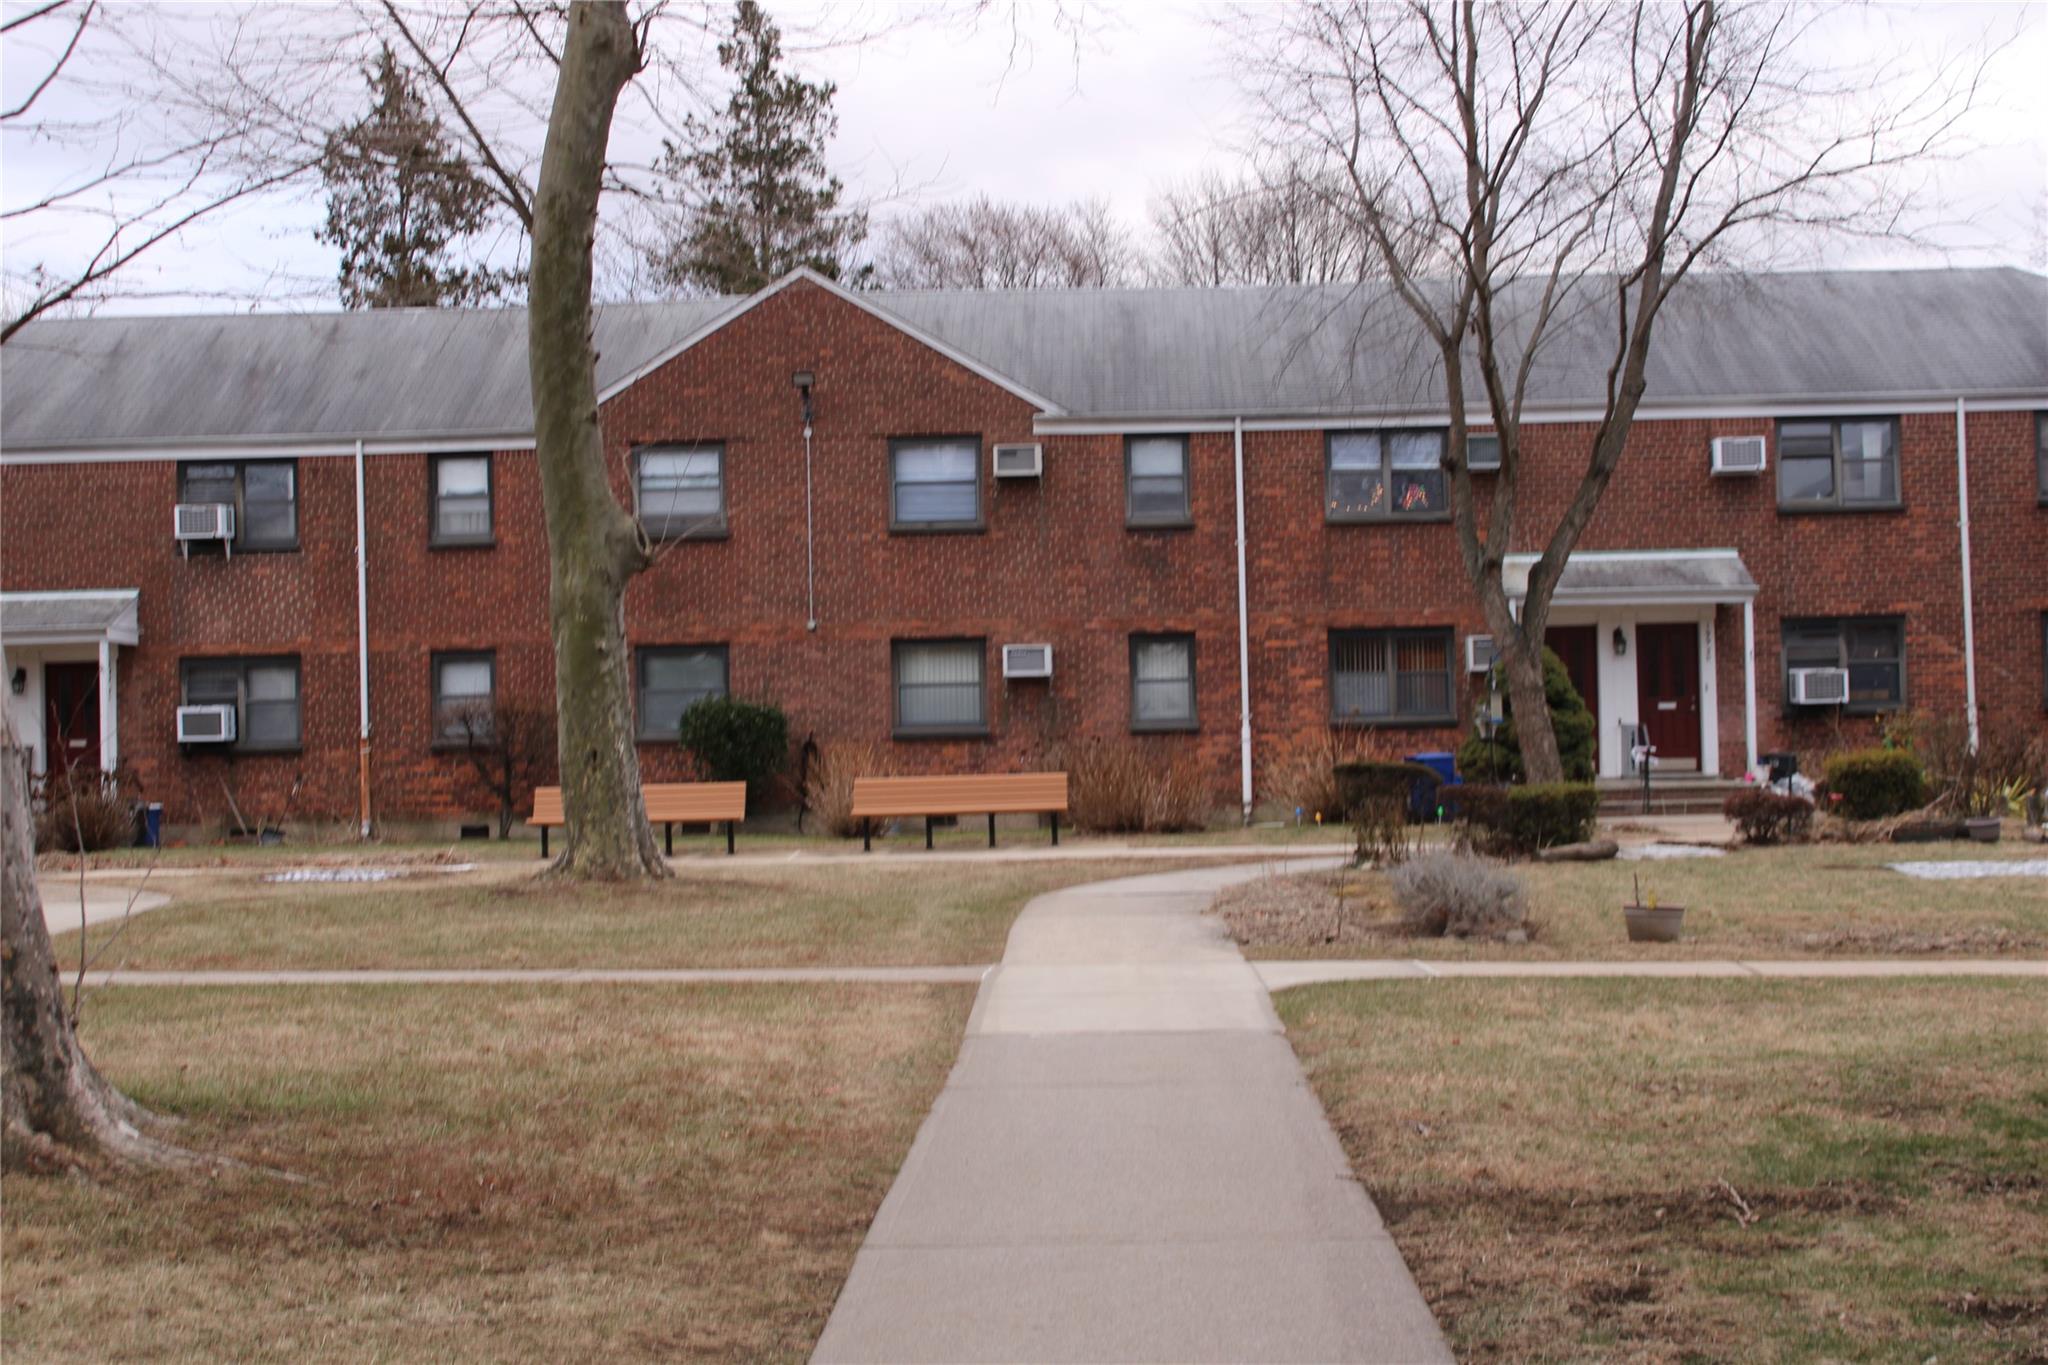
1424, 798
153, 825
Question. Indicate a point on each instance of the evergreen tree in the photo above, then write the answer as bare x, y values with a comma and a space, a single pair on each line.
763, 201
398, 199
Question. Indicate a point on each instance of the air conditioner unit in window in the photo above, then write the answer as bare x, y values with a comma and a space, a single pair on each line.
1023, 460
1819, 686
1479, 653
203, 521
1738, 455
1482, 454
206, 725
1027, 661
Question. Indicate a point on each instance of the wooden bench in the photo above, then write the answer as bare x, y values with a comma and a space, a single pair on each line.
667, 803
888, 798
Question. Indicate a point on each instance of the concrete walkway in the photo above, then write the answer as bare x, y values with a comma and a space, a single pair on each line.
1127, 1164
65, 905
1278, 976
528, 976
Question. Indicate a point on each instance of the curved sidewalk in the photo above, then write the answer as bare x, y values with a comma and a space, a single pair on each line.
1127, 1164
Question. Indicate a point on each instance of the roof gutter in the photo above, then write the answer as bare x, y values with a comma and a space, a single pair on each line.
362, 658
1969, 605
1244, 658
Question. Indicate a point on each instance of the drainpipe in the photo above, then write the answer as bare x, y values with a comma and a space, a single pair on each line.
362, 658
1244, 657
1969, 608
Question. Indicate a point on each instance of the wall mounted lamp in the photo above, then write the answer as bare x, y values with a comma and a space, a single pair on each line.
1620, 643
19, 682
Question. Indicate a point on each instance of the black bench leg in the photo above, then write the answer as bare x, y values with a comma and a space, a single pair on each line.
543, 841
668, 839
728, 837
1055, 829
927, 834
866, 842
991, 831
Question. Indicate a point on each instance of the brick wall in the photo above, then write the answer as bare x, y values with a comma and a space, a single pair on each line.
1054, 563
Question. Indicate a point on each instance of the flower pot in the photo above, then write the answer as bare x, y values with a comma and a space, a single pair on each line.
1659, 924
1982, 828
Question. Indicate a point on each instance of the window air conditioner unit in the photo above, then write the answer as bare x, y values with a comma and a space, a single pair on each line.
203, 521
1482, 454
1820, 686
1480, 653
206, 725
1738, 455
1027, 661
1023, 460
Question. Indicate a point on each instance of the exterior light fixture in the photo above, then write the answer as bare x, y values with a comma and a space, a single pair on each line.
19, 682
1620, 643
803, 379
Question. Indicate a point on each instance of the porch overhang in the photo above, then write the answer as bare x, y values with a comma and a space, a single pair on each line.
1631, 578
94, 617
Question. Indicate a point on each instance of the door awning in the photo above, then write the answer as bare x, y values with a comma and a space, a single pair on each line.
1612, 578
70, 618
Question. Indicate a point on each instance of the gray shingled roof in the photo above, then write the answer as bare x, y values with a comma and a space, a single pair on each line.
1161, 354
30, 617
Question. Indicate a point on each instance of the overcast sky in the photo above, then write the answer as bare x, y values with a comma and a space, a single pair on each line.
937, 111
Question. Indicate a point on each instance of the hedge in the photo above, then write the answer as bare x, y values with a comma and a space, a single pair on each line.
1875, 784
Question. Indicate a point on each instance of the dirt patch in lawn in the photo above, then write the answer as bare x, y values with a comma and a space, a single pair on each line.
1321, 908
1881, 942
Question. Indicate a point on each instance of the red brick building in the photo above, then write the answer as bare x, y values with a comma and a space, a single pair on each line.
864, 560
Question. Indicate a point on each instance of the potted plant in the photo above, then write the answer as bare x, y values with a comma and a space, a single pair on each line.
1649, 922
1984, 801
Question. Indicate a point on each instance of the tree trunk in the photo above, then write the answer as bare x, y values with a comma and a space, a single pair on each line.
1522, 661
56, 1110
593, 545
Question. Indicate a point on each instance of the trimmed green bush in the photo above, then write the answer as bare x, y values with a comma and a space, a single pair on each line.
1874, 784
737, 741
1517, 821
1500, 759
1767, 817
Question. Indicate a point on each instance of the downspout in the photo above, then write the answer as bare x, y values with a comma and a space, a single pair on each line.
810, 542
1244, 657
1969, 608
362, 658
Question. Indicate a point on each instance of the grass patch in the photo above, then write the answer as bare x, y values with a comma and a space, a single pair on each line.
1702, 1170
1807, 901
842, 914
506, 1173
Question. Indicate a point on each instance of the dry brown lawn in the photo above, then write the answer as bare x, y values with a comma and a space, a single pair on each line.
571, 1173
1814, 900
1703, 1170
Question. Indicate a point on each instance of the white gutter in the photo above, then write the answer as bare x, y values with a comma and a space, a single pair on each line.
1244, 657
1969, 608
362, 656
810, 539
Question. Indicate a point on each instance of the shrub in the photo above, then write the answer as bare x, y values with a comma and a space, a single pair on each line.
828, 790
1458, 895
84, 810
1515, 821
1873, 784
1128, 788
1359, 783
737, 741
1767, 817
1304, 777
1499, 759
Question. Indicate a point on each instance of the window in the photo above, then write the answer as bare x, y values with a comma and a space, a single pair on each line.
1846, 464
1156, 481
264, 494
1377, 475
264, 693
672, 679
461, 500
1163, 682
935, 484
1390, 675
463, 686
681, 491
938, 687
1873, 649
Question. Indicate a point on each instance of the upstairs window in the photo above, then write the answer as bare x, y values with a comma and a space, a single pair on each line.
264, 494
1156, 481
672, 679
1401, 676
935, 484
1873, 649
1163, 682
464, 685
1846, 465
264, 693
939, 687
462, 500
680, 491
1384, 475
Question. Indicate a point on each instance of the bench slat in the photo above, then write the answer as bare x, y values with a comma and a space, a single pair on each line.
992, 794
681, 803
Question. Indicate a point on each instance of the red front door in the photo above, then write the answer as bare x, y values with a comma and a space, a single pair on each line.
1579, 647
1668, 690
71, 698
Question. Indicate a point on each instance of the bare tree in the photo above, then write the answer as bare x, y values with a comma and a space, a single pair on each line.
1524, 168
985, 244
1279, 225
509, 748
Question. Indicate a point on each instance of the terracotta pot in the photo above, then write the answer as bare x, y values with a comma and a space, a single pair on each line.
1660, 925
1982, 828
